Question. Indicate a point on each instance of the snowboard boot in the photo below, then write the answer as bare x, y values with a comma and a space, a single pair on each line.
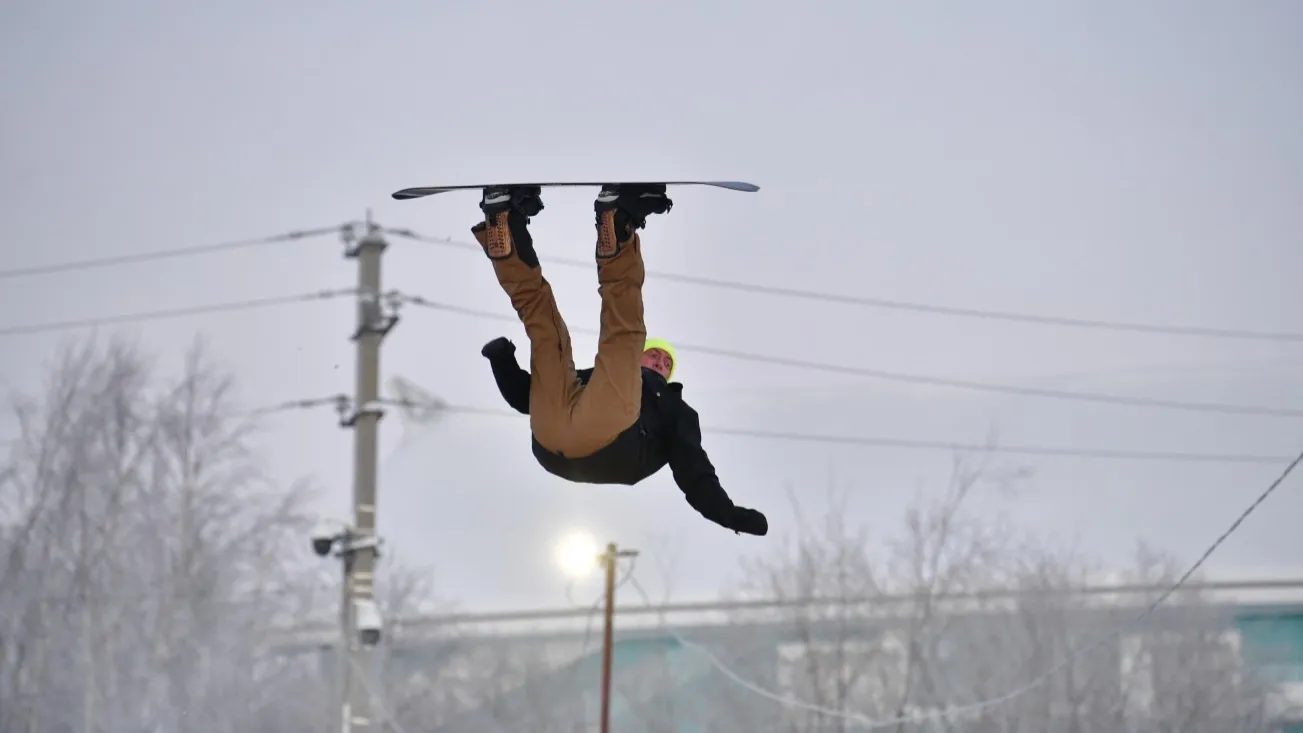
505, 229
622, 209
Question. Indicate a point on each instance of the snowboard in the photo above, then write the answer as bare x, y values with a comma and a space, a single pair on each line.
422, 191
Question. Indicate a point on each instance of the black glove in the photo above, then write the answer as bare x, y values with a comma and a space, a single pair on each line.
749, 521
498, 348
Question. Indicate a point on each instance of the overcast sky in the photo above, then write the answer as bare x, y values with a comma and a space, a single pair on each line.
1118, 161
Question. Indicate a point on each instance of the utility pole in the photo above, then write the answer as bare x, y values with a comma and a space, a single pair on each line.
359, 618
609, 559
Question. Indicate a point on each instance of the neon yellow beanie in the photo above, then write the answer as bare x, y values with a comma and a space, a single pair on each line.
664, 345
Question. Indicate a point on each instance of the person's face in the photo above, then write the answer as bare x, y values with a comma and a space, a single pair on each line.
658, 361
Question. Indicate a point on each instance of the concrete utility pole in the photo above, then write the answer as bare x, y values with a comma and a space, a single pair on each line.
359, 618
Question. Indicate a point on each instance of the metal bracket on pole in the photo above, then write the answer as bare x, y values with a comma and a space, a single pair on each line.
353, 543
375, 319
349, 417
353, 245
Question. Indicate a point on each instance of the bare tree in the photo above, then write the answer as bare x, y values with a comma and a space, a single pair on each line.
144, 554
945, 551
867, 650
1095, 669
932, 635
425, 681
1183, 669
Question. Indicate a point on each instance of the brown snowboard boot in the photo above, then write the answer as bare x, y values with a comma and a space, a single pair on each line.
505, 229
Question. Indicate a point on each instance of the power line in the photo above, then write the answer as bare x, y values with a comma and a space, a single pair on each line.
901, 305
340, 402
879, 442
904, 377
164, 254
959, 710
164, 314
879, 600
918, 379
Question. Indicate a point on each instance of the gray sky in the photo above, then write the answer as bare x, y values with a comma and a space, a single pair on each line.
1121, 161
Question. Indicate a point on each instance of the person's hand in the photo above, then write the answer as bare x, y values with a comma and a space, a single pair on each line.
749, 521
498, 348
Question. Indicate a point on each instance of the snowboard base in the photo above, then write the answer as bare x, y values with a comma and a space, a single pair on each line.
423, 191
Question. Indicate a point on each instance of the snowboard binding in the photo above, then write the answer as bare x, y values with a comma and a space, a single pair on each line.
527, 200
633, 202
621, 210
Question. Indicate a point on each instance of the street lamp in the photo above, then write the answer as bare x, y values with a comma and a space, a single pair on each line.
577, 555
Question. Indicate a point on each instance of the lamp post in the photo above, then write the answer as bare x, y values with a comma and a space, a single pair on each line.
575, 555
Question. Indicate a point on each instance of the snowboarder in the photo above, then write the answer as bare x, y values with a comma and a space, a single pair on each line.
621, 420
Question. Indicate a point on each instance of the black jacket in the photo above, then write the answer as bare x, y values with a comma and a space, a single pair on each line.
668, 431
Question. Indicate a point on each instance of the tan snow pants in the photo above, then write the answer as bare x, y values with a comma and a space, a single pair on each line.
567, 417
